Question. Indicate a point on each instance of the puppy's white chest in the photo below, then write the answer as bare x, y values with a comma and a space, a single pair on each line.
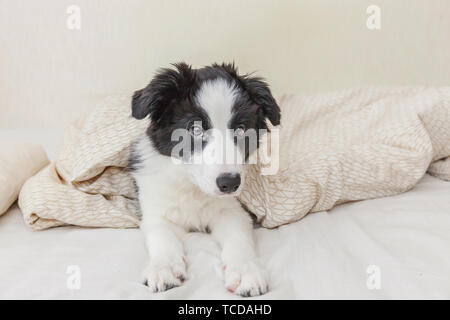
193, 210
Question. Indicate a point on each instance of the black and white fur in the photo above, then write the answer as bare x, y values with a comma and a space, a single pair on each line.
176, 198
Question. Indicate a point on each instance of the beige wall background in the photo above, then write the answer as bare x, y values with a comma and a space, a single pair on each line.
50, 75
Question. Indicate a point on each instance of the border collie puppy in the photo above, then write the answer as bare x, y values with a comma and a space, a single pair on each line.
215, 107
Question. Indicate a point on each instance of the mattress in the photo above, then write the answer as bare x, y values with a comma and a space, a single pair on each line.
394, 247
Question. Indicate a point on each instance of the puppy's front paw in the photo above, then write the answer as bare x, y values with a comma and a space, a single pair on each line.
247, 279
164, 275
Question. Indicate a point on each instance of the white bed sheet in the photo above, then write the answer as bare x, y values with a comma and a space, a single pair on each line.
325, 255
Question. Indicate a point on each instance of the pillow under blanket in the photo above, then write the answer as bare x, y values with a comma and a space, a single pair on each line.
19, 160
334, 147
352, 145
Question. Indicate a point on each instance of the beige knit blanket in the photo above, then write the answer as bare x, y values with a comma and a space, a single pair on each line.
334, 147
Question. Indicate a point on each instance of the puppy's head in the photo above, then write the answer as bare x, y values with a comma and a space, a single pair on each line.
209, 119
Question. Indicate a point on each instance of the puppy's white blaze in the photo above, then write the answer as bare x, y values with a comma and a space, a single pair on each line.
217, 97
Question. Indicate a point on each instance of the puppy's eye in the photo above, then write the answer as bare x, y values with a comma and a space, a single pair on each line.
196, 131
240, 131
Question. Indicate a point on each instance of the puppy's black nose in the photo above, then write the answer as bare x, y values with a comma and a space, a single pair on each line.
228, 182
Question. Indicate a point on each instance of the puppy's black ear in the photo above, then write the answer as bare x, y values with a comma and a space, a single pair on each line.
260, 93
166, 86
